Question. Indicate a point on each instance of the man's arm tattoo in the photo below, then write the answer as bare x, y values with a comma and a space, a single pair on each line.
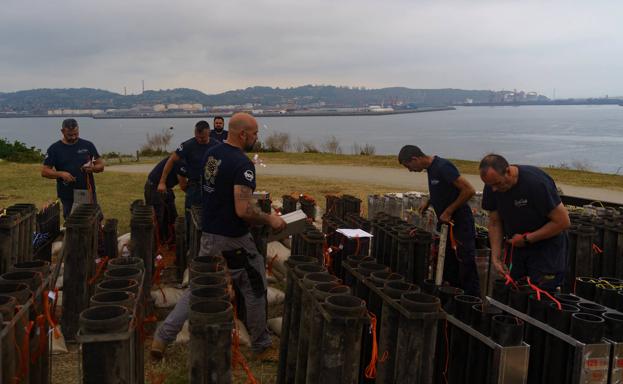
252, 209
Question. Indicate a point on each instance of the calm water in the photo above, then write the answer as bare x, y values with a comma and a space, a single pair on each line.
553, 135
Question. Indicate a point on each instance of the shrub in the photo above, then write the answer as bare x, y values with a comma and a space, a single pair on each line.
365, 150
19, 152
277, 142
157, 143
332, 145
302, 146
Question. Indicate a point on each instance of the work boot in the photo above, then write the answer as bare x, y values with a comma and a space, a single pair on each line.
157, 349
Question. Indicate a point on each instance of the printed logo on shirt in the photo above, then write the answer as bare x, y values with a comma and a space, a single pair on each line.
248, 174
434, 182
181, 147
210, 171
82, 151
521, 203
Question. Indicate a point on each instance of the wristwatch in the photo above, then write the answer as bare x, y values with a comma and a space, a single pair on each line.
525, 239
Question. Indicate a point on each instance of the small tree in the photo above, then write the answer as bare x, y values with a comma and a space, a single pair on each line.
157, 143
332, 145
277, 142
363, 150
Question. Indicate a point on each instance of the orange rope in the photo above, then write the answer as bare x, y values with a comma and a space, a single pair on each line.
538, 294
370, 371
509, 280
358, 245
100, 269
269, 267
237, 356
48, 315
596, 248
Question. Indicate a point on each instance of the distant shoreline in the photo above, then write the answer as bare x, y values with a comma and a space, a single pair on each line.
206, 115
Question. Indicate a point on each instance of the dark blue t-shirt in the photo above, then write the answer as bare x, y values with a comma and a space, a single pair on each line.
179, 168
70, 158
193, 153
524, 208
441, 176
218, 136
224, 166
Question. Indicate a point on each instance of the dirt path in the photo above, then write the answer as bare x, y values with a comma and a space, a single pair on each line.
398, 178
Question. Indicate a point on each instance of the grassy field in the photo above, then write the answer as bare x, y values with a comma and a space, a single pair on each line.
567, 176
115, 191
23, 183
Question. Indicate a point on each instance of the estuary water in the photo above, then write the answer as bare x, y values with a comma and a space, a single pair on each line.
586, 136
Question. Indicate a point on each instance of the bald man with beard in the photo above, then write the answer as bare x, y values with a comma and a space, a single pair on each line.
227, 186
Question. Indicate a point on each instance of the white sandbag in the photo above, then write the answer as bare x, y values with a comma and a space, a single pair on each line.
166, 297
57, 248
185, 278
243, 334
275, 296
184, 336
59, 279
123, 241
58, 344
275, 325
287, 242
276, 256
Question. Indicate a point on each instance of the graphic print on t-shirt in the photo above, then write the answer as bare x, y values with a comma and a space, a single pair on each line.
210, 171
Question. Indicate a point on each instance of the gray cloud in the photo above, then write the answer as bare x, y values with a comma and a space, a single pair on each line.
573, 46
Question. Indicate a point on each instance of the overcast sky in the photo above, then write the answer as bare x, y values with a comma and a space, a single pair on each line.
575, 47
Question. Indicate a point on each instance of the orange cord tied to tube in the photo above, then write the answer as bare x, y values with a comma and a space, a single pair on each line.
596, 248
100, 269
269, 267
370, 371
47, 308
236, 355
539, 291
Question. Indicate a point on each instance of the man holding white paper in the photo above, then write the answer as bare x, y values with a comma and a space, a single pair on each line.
72, 161
449, 194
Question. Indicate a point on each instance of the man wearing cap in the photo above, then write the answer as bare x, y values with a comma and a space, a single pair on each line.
449, 194
72, 161
527, 217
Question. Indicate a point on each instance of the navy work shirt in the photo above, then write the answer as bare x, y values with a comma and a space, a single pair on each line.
70, 158
193, 153
524, 208
218, 136
179, 168
441, 176
224, 167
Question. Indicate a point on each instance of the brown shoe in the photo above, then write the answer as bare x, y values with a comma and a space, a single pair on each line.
157, 349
